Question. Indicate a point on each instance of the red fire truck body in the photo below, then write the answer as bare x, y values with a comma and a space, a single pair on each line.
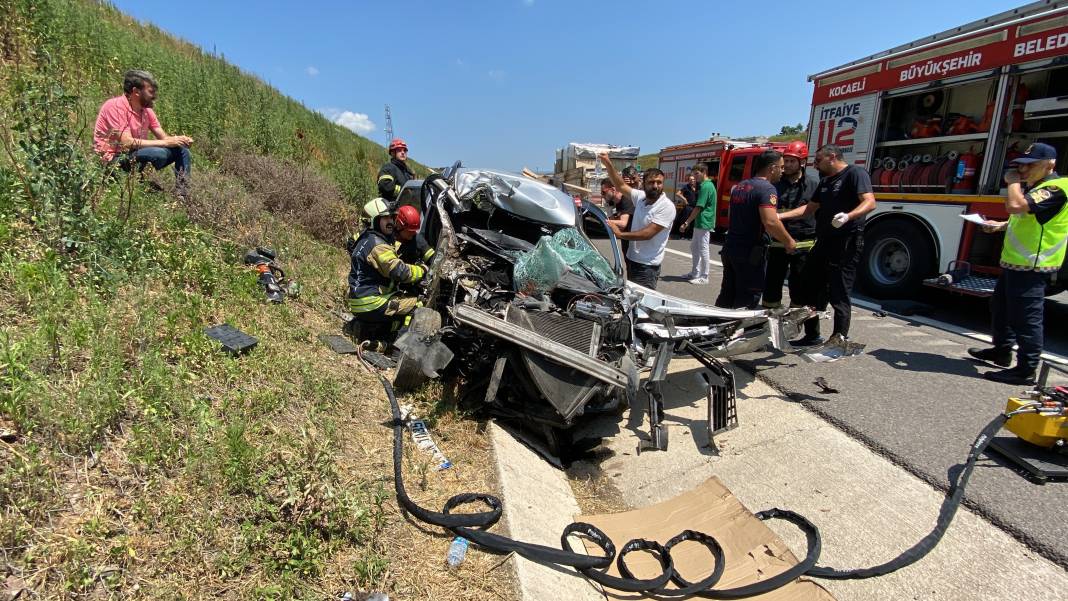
936, 122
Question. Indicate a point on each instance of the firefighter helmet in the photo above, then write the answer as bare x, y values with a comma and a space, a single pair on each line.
407, 218
376, 208
796, 149
396, 144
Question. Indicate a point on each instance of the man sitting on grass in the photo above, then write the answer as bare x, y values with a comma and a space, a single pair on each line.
123, 125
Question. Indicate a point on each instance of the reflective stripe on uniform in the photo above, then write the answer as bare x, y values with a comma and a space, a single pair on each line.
802, 245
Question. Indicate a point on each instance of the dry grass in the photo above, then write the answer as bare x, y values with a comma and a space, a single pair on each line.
154, 513
593, 490
294, 193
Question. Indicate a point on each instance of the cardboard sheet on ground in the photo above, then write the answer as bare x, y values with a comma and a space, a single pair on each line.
753, 552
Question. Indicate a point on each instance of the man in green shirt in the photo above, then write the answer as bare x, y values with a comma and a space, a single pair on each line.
704, 213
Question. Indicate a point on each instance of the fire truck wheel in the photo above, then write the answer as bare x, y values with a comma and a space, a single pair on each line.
409, 376
897, 256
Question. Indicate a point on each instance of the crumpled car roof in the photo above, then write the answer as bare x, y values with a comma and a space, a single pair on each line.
519, 195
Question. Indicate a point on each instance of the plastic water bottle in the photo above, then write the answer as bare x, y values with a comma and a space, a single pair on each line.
457, 551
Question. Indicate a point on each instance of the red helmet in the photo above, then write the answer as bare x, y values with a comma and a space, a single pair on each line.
407, 218
397, 143
796, 149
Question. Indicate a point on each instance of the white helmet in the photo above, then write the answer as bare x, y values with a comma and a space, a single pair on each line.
376, 208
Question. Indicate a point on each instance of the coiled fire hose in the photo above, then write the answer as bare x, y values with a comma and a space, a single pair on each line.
473, 527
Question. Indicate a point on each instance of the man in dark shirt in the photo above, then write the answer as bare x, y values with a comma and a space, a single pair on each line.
622, 209
688, 194
752, 218
795, 189
841, 203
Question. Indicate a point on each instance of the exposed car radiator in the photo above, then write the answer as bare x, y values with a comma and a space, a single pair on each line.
582, 335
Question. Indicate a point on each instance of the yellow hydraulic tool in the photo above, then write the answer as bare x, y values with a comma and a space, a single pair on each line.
1047, 430
1039, 419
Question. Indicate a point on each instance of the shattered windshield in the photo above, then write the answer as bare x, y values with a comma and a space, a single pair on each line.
541, 269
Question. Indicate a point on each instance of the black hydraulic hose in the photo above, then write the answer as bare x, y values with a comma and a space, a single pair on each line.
945, 516
472, 526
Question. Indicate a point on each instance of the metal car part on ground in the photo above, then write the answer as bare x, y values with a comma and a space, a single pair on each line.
537, 327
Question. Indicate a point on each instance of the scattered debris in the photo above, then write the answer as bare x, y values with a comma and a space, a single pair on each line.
880, 314
833, 350
824, 387
338, 343
233, 340
421, 436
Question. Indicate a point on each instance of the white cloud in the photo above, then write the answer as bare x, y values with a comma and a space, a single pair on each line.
459, 62
496, 74
528, 2
312, 71
357, 122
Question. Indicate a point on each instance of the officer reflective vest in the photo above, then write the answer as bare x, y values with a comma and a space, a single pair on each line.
1033, 246
375, 272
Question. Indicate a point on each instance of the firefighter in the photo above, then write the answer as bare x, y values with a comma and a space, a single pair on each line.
394, 174
753, 219
795, 189
1035, 238
412, 247
377, 272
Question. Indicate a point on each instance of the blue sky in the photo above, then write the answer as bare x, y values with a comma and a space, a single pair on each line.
503, 83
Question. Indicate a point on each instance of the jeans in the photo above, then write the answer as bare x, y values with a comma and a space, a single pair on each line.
159, 157
700, 253
1016, 312
645, 275
830, 270
743, 278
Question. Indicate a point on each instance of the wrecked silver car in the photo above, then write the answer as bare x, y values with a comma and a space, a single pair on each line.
537, 327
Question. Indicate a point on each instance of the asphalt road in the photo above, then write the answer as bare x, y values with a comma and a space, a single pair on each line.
915, 399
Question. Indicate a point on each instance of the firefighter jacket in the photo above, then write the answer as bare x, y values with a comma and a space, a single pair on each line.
791, 196
1034, 246
416, 250
391, 178
377, 271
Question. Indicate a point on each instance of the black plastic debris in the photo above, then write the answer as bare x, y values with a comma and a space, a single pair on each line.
825, 388
379, 360
233, 340
339, 344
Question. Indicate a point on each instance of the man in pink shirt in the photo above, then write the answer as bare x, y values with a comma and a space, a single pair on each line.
123, 125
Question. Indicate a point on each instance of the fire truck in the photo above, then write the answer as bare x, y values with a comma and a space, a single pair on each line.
728, 162
936, 122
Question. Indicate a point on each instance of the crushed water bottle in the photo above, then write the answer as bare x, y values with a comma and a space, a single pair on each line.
457, 551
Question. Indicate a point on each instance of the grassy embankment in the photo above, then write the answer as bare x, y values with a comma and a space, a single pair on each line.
137, 461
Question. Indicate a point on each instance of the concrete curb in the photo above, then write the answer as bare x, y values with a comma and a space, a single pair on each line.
538, 505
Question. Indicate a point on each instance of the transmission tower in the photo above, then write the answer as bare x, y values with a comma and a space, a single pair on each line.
389, 126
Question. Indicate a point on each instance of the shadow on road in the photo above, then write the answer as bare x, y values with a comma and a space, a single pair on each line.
925, 362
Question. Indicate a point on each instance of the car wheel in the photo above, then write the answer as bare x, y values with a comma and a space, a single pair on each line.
409, 376
897, 256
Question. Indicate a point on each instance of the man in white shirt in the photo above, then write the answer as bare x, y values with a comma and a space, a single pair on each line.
650, 226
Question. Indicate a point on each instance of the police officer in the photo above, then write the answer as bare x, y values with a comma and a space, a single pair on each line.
752, 218
1035, 238
377, 271
394, 174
